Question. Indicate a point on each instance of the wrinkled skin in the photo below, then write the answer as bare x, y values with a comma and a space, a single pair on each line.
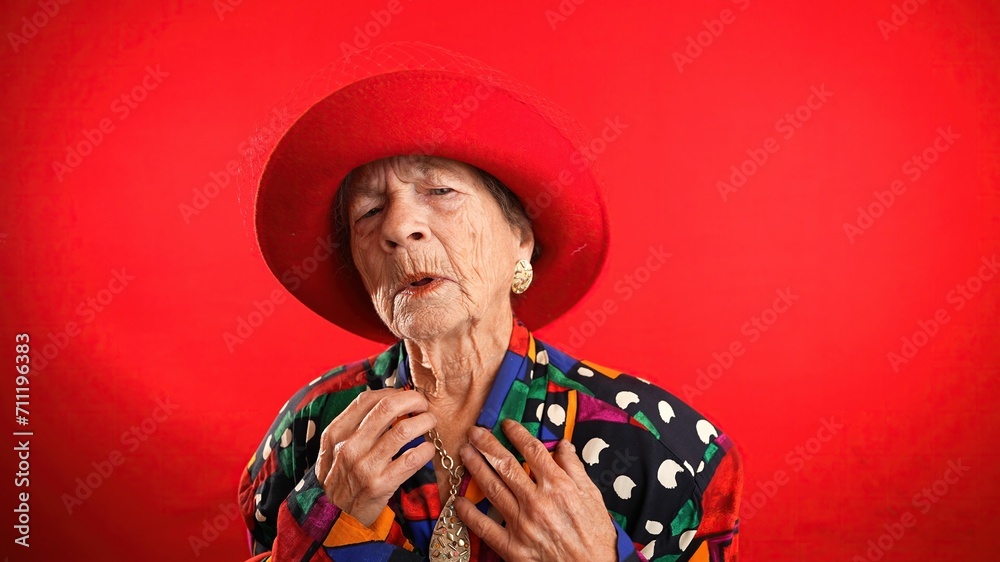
429, 221
555, 514
355, 461
412, 220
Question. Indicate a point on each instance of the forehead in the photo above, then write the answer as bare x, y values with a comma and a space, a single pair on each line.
370, 179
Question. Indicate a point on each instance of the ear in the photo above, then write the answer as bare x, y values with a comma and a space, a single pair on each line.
527, 245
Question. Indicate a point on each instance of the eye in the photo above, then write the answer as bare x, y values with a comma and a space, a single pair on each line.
371, 213
441, 190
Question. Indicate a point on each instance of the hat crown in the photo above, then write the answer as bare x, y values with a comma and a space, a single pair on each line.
400, 99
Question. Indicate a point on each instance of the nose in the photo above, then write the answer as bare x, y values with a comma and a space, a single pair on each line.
403, 223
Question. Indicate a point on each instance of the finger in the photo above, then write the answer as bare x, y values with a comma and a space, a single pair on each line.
566, 458
488, 481
382, 480
345, 424
485, 528
355, 412
504, 463
533, 451
323, 459
399, 470
384, 413
401, 433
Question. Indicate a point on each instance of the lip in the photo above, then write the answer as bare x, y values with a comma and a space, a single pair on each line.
408, 288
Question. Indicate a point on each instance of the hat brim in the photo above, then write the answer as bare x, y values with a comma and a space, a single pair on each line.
439, 113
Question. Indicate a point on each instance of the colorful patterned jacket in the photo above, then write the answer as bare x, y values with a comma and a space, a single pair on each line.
671, 481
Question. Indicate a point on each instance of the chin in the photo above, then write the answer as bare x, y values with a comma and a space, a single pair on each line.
427, 322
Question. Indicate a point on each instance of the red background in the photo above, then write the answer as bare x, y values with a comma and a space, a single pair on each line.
824, 358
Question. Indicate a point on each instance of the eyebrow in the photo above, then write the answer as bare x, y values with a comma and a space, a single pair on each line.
367, 189
426, 167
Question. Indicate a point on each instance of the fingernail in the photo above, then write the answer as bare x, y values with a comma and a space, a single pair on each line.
569, 445
465, 451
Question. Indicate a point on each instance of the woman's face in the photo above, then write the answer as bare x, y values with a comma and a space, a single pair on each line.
432, 245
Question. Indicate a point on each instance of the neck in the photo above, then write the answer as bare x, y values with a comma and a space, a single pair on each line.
456, 370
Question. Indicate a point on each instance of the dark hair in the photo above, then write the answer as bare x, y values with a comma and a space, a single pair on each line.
510, 206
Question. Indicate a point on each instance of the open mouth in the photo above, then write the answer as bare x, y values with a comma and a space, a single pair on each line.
418, 284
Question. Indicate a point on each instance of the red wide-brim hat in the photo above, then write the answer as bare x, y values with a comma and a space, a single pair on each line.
404, 99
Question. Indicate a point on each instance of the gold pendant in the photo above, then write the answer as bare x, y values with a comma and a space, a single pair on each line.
450, 539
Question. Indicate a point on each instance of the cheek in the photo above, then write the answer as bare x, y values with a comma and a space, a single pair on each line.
481, 250
366, 261
373, 276
472, 246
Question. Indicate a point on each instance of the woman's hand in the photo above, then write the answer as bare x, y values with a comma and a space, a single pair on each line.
560, 516
355, 462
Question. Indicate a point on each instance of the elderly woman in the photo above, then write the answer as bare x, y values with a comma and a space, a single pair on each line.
440, 206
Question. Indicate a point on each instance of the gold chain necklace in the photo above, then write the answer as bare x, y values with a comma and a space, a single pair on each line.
450, 539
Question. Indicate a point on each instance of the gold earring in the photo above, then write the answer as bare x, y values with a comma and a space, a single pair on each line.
522, 277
